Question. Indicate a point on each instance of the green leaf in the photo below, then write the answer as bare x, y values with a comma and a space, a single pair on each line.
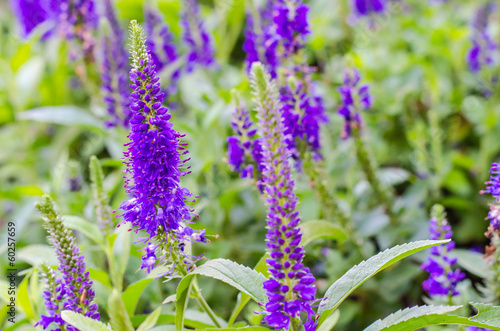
401, 319
247, 328
192, 320
358, 274
118, 315
244, 279
132, 294
183, 290
419, 317
37, 254
150, 321
65, 115
100, 276
330, 322
83, 323
473, 262
88, 229
321, 230
24, 298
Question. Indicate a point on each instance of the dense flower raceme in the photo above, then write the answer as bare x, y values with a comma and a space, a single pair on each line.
484, 51
161, 43
154, 160
31, 13
493, 188
115, 68
244, 149
290, 288
292, 26
443, 279
354, 97
53, 295
196, 37
261, 41
74, 290
78, 21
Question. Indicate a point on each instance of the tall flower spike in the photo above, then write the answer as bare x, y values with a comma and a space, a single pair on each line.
103, 210
244, 149
78, 292
353, 98
199, 43
484, 51
493, 188
261, 41
53, 296
443, 277
78, 21
115, 65
290, 19
154, 162
290, 288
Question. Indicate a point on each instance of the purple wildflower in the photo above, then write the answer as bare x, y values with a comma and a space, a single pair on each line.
196, 37
483, 51
77, 294
291, 287
261, 40
53, 296
244, 150
161, 45
353, 99
115, 67
79, 21
493, 188
443, 279
154, 157
31, 13
292, 26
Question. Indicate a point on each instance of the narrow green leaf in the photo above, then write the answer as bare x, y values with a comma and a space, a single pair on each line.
83, 323
65, 115
37, 254
313, 230
88, 229
24, 298
150, 321
419, 317
100, 276
183, 290
118, 315
358, 274
190, 320
330, 322
401, 319
132, 294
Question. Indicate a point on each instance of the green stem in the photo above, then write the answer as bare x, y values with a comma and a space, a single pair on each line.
204, 305
367, 164
294, 325
115, 278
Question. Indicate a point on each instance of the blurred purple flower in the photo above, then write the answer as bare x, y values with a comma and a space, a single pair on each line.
493, 188
31, 13
483, 51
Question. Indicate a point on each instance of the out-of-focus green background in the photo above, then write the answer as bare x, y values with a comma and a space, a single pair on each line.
431, 131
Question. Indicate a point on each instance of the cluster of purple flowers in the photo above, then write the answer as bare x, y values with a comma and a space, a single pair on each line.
354, 97
483, 51
244, 149
291, 287
115, 67
73, 290
443, 280
154, 159
274, 35
493, 188
32, 13
196, 37
364, 8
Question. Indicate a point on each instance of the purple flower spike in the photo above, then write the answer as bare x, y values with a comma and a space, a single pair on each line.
493, 188
115, 68
196, 37
291, 288
155, 163
292, 26
363, 8
53, 296
483, 52
74, 290
353, 99
443, 279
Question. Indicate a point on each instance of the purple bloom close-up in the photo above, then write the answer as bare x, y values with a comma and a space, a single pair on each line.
291, 24
31, 13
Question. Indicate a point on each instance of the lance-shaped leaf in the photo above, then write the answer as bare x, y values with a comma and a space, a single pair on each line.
83, 323
358, 274
419, 317
244, 279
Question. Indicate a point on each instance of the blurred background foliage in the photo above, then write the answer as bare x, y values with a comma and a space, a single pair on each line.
431, 130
